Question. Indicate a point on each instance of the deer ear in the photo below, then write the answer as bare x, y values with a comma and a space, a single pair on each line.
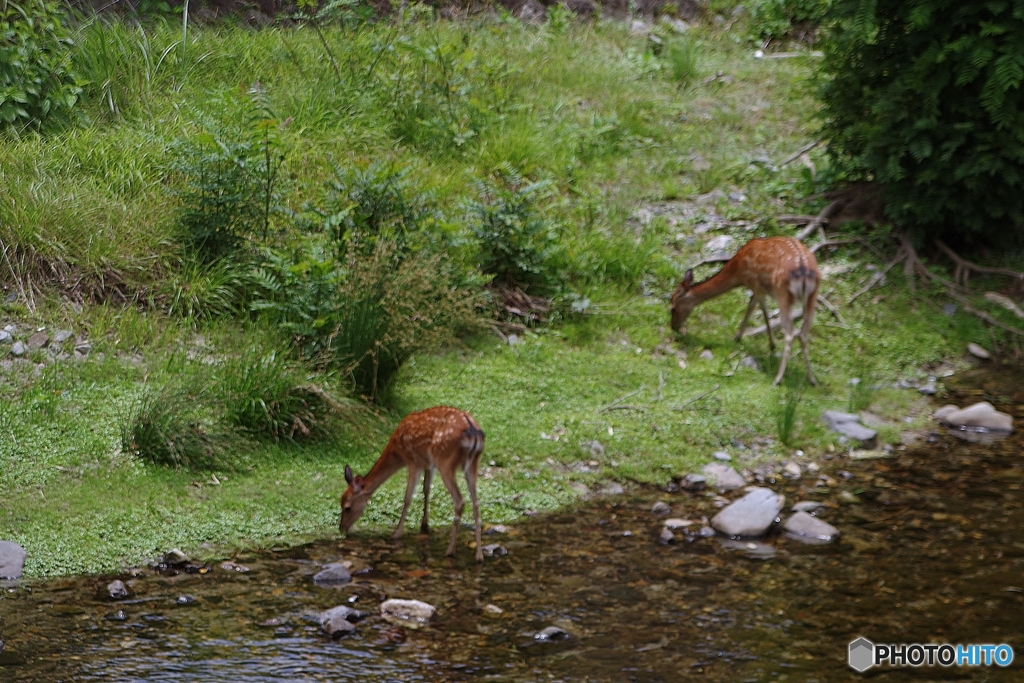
688, 278
357, 483
348, 474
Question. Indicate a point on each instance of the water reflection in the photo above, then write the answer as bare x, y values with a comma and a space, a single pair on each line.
932, 551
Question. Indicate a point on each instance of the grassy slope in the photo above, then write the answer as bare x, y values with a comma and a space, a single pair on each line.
585, 107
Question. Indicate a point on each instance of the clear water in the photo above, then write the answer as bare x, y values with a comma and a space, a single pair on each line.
934, 552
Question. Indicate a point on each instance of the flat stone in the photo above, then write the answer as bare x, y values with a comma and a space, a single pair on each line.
19, 349
612, 489
494, 550
750, 516
724, 477
38, 341
337, 627
675, 523
752, 549
721, 455
5, 337
945, 411
342, 612
849, 425
333, 575
12, 560
807, 506
791, 470
660, 509
978, 351
117, 590
981, 415
493, 610
412, 613
61, 336
83, 348
720, 243
174, 557
804, 527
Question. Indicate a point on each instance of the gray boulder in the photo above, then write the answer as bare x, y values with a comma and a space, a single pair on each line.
808, 506
117, 590
61, 336
750, 516
849, 425
724, 477
38, 341
339, 620
333, 575
660, 508
804, 527
19, 349
12, 560
551, 634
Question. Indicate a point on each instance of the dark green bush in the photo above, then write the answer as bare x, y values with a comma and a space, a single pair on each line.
925, 97
37, 86
518, 245
776, 20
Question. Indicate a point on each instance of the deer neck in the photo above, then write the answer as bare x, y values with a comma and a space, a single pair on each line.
716, 285
387, 464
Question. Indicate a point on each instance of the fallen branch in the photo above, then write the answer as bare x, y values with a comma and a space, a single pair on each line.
832, 309
964, 268
877, 277
799, 153
775, 324
611, 406
698, 398
794, 219
983, 315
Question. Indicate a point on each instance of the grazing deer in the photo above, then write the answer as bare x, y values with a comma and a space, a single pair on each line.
780, 266
441, 438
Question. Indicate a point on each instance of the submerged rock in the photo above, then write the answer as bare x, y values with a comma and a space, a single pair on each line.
12, 560
750, 516
174, 558
723, 476
808, 506
412, 613
551, 634
339, 620
752, 549
849, 425
333, 575
660, 509
804, 527
694, 482
185, 600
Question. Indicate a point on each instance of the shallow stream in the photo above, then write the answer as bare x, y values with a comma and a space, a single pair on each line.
932, 551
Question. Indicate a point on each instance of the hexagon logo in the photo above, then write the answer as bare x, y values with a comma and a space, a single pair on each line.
862, 654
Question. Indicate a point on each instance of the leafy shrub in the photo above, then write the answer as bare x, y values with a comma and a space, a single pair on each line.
780, 19
367, 318
204, 290
266, 394
166, 427
379, 202
925, 97
518, 246
37, 87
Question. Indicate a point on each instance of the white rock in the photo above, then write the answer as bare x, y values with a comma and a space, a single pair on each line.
706, 354
720, 243
945, 411
792, 470
677, 523
978, 351
412, 613
809, 529
750, 516
725, 478
982, 415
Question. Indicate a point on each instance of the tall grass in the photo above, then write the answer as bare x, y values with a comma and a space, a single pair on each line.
786, 412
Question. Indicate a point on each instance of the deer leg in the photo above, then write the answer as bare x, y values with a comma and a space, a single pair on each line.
805, 335
785, 310
448, 477
410, 490
746, 316
767, 326
471, 483
428, 477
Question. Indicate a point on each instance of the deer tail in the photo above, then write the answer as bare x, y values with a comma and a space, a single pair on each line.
472, 441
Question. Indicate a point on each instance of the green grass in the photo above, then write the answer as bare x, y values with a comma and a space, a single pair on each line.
89, 216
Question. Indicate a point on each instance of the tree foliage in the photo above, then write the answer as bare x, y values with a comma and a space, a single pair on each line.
925, 97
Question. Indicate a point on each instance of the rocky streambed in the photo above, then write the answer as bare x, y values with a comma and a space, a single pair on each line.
646, 585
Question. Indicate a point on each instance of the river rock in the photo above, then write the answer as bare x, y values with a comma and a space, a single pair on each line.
18, 349
612, 488
978, 351
752, 549
945, 411
660, 509
725, 478
5, 337
412, 613
82, 349
809, 529
174, 558
791, 470
494, 550
721, 455
694, 482
337, 627
333, 575
184, 600
12, 560
750, 516
807, 506
675, 523
331, 621
117, 590
665, 536
707, 355
551, 634
980, 415
849, 425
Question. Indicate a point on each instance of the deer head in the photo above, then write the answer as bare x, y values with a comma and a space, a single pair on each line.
353, 500
683, 303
